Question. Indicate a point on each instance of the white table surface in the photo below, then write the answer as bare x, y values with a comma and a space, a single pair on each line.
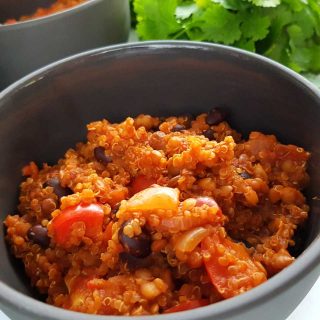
309, 308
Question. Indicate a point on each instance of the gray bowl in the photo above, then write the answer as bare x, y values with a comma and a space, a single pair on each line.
29, 45
46, 112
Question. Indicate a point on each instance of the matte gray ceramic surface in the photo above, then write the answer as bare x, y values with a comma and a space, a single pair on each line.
45, 113
26, 46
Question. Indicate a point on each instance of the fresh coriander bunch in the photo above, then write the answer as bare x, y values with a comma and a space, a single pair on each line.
284, 30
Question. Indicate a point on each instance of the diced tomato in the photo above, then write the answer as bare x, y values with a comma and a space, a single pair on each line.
91, 215
225, 253
188, 305
108, 231
140, 183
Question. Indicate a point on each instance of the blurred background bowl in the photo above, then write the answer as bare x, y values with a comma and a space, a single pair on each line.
28, 45
45, 113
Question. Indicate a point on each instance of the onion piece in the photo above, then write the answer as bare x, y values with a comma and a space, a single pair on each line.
188, 241
200, 201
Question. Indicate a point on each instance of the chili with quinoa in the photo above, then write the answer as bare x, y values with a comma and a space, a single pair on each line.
156, 216
58, 5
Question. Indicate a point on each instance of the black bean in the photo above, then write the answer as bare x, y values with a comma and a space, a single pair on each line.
138, 246
178, 127
209, 134
245, 175
57, 188
133, 262
39, 235
215, 116
247, 244
101, 156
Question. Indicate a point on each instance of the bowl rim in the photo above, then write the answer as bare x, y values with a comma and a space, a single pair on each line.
305, 263
65, 13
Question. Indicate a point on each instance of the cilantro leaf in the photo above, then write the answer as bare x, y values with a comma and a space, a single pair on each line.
266, 3
246, 45
156, 19
185, 11
232, 4
287, 31
257, 27
220, 25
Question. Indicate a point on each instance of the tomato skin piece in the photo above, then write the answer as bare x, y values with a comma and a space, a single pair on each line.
249, 276
188, 305
108, 231
140, 183
91, 215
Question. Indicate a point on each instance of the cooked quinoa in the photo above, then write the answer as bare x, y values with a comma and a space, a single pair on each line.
159, 215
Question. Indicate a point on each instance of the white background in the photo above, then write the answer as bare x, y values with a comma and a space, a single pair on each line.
309, 308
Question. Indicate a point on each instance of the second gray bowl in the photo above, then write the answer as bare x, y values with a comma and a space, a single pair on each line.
28, 45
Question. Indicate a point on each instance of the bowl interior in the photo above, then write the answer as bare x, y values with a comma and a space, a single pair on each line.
47, 113
16, 8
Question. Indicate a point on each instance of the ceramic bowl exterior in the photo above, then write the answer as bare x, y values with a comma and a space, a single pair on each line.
46, 112
32, 44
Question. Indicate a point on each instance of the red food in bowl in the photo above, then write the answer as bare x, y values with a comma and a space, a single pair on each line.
57, 6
